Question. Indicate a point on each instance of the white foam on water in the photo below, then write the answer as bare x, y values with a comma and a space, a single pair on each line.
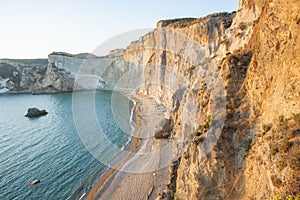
3, 90
132, 124
3, 82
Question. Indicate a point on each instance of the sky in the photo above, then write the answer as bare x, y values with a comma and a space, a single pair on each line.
35, 28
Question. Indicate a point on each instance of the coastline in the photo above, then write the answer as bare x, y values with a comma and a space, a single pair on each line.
108, 174
132, 185
32, 92
136, 145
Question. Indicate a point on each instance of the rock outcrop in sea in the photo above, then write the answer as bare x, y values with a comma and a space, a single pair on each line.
35, 112
240, 71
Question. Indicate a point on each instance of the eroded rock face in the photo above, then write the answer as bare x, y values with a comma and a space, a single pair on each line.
240, 68
22, 75
34, 76
244, 46
261, 77
62, 72
166, 130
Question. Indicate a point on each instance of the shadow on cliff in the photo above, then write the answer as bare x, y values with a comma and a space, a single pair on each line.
235, 141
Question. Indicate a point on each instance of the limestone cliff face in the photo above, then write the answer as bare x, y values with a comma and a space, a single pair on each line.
273, 88
230, 83
256, 156
254, 50
59, 73
34, 76
21, 75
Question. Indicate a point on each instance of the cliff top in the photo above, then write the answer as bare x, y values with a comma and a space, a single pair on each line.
38, 61
185, 22
177, 22
80, 56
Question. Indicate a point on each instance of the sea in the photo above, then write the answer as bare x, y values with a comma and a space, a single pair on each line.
51, 149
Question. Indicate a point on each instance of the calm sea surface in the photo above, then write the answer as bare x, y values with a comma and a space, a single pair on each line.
49, 148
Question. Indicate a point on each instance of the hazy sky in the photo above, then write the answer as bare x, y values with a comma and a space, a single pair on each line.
35, 28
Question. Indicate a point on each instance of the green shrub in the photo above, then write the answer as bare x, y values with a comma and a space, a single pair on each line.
204, 126
197, 133
266, 128
281, 118
191, 68
181, 23
278, 198
296, 197
223, 164
297, 118
207, 123
247, 145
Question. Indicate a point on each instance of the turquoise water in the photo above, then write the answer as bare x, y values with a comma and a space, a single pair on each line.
49, 148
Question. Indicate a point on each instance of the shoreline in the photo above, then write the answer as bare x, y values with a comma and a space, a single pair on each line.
147, 120
92, 194
145, 178
58, 92
130, 145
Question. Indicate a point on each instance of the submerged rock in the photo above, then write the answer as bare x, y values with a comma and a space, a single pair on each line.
34, 182
35, 112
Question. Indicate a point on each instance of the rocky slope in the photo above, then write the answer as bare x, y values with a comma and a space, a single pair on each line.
33, 76
57, 74
21, 75
230, 83
231, 80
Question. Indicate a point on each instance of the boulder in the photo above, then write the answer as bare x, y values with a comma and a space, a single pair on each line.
162, 135
166, 130
35, 112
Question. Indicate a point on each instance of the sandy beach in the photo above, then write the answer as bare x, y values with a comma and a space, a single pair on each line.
142, 172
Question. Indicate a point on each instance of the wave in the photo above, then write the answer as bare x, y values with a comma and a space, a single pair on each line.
132, 125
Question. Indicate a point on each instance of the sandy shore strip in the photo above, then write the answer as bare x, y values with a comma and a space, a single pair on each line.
136, 175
